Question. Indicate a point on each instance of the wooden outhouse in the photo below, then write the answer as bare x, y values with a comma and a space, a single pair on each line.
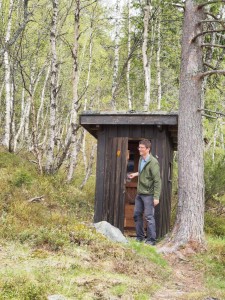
118, 135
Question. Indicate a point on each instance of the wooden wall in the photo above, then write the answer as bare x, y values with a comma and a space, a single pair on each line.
111, 172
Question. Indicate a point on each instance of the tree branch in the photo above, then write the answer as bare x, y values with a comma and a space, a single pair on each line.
178, 5
19, 30
209, 73
206, 32
209, 2
213, 45
208, 65
208, 116
212, 111
221, 22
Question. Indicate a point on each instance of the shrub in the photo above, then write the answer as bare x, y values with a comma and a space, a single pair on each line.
21, 177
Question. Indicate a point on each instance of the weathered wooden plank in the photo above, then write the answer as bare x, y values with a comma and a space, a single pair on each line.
100, 176
128, 119
123, 167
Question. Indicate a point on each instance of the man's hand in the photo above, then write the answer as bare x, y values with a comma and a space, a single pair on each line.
156, 202
132, 175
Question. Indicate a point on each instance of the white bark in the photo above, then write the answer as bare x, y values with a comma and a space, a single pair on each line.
89, 166
116, 56
1, 91
75, 104
22, 120
8, 92
215, 139
146, 66
158, 66
128, 53
54, 89
42, 100
221, 134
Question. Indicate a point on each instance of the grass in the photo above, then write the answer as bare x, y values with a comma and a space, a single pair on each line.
51, 247
214, 262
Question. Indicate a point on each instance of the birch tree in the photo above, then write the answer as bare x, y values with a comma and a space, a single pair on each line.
8, 91
75, 103
158, 65
129, 53
54, 90
116, 55
146, 67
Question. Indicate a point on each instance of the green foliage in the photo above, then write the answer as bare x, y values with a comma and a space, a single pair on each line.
21, 287
214, 225
214, 175
150, 253
21, 178
212, 263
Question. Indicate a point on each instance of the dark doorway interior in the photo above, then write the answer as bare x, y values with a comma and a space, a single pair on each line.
131, 186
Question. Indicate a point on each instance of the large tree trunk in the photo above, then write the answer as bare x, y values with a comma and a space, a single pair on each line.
190, 214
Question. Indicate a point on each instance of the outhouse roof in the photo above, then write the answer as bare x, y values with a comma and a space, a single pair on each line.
93, 121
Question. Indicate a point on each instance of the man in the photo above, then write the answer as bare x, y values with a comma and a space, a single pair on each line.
148, 192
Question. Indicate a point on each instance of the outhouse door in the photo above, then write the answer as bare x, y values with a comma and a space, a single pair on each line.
115, 180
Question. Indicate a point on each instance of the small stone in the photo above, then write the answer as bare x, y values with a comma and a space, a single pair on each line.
56, 297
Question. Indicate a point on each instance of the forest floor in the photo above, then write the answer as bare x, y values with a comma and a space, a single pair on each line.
186, 282
51, 248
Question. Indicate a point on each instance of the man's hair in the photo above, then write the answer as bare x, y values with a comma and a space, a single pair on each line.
145, 142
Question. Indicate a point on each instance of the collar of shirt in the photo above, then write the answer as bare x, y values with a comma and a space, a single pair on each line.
146, 159
143, 162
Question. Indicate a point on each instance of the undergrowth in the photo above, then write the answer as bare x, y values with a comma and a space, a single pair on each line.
50, 247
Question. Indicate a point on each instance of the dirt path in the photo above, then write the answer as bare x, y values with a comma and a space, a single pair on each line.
187, 281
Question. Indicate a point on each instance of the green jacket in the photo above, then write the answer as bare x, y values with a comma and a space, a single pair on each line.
149, 181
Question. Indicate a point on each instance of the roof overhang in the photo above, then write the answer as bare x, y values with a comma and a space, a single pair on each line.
94, 121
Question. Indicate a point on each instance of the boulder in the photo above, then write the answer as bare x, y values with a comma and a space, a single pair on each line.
111, 232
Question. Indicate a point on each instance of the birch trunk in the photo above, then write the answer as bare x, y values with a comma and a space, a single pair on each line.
8, 92
158, 66
22, 120
116, 56
89, 166
87, 85
129, 52
34, 134
53, 96
190, 213
146, 65
1, 112
215, 139
75, 104
40, 110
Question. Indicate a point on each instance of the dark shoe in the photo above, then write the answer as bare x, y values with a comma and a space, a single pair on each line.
152, 243
140, 240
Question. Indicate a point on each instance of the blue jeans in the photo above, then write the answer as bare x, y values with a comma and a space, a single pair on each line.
144, 204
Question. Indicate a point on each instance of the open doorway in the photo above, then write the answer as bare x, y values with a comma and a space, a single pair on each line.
131, 186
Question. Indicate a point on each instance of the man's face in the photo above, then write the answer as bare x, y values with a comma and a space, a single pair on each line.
143, 150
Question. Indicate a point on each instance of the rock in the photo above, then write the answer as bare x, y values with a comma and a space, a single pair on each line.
56, 297
111, 232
